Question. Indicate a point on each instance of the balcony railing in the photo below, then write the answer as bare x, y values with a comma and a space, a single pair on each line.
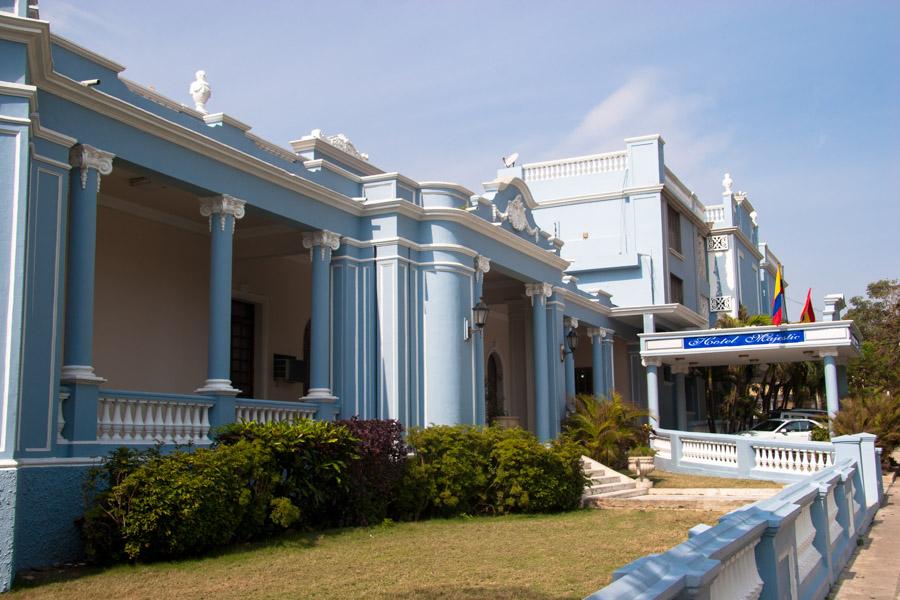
125, 417
271, 411
740, 456
792, 545
572, 167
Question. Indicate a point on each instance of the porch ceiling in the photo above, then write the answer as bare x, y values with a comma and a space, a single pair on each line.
747, 345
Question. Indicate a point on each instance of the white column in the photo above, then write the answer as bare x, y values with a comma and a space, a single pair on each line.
832, 400
652, 365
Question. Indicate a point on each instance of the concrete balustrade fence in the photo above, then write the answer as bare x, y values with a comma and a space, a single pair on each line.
739, 456
792, 545
270, 411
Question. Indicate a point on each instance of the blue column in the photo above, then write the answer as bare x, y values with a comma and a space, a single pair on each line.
652, 365
831, 382
539, 292
680, 399
571, 324
89, 164
598, 369
609, 371
482, 266
320, 244
222, 212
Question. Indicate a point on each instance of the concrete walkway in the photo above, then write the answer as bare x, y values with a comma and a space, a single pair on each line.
873, 572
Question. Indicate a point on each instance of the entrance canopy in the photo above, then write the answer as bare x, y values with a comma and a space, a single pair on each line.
796, 342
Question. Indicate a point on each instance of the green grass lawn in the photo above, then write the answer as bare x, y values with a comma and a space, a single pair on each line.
533, 557
664, 479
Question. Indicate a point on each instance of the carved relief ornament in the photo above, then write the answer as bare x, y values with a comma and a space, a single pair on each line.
87, 157
222, 205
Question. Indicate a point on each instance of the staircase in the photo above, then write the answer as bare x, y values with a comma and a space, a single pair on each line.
606, 483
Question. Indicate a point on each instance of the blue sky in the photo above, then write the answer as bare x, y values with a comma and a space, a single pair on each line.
799, 101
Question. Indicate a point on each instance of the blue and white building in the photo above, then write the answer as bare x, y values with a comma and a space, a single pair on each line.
164, 271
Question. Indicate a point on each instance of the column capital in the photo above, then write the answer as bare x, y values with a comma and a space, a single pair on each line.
828, 352
651, 362
324, 238
571, 322
681, 369
87, 157
222, 205
538, 289
482, 264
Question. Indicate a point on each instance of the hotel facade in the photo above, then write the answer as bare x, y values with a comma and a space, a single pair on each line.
163, 271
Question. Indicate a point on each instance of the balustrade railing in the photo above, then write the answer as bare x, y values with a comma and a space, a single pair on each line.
740, 456
571, 167
715, 214
271, 411
809, 530
141, 417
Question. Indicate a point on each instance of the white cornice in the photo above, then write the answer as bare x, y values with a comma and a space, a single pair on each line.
56, 137
616, 195
221, 118
576, 298
10, 88
154, 96
501, 183
323, 147
736, 231
406, 243
394, 176
448, 186
678, 311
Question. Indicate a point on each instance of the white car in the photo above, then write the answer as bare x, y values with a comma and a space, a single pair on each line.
799, 430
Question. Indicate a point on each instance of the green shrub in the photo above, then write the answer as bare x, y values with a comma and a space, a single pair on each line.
820, 434
467, 470
641, 450
312, 457
529, 477
182, 503
877, 413
606, 429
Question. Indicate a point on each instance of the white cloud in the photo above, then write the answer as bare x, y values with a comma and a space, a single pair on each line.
649, 103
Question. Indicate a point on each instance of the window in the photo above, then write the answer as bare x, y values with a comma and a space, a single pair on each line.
674, 220
676, 289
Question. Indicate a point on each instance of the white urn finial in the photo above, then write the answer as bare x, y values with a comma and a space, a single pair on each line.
200, 92
727, 182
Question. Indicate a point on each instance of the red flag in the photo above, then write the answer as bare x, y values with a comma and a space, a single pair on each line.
808, 315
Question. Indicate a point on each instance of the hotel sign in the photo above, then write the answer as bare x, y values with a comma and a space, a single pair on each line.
743, 339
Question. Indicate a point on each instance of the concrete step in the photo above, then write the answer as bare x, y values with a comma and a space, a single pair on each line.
606, 488
594, 472
596, 500
604, 479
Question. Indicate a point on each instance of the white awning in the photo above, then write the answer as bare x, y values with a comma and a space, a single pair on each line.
796, 342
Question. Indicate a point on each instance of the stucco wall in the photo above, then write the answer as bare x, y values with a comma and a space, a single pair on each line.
496, 340
151, 303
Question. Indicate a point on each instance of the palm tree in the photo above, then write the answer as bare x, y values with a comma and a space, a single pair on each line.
606, 428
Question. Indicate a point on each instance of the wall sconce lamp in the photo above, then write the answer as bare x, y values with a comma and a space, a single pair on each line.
571, 344
479, 317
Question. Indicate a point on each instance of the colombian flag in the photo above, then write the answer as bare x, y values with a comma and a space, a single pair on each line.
808, 315
778, 309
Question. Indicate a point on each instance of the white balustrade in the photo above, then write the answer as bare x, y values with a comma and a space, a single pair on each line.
715, 214
834, 527
572, 167
739, 578
271, 414
854, 507
662, 445
804, 536
141, 420
711, 452
60, 418
794, 460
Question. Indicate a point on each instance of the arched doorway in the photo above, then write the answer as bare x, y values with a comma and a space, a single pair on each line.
493, 389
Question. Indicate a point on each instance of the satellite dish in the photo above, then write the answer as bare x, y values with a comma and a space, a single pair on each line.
510, 161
